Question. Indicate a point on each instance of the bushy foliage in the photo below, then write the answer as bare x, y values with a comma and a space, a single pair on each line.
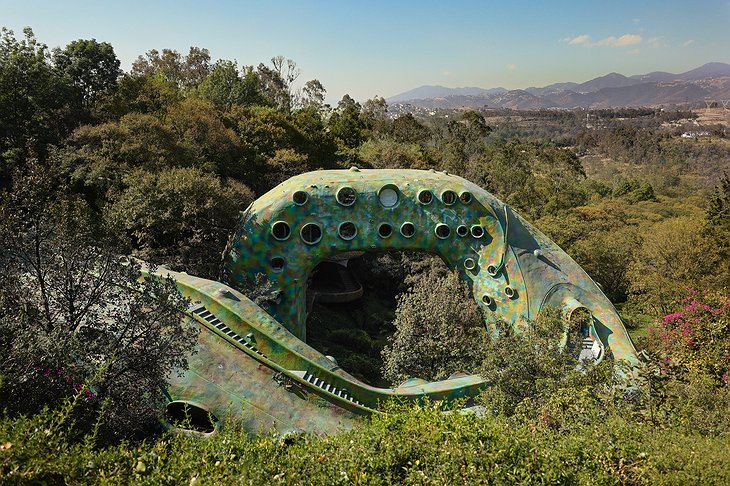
529, 369
181, 217
77, 319
673, 256
421, 445
696, 338
439, 329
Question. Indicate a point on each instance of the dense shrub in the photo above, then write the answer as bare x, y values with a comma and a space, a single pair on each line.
417, 446
76, 319
439, 329
181, 217
696, 338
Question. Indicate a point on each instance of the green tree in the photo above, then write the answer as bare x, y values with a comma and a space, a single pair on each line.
184, 71
276, 82
385, 153
313, 94
92, 68
439, 329
205, 138
345, 123
375, 115
34, 101
225, 86
673, 257
138, 94
181, 217
465, 141
407, 129
80, 318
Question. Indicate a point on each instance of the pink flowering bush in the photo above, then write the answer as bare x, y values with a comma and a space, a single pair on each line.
696, 338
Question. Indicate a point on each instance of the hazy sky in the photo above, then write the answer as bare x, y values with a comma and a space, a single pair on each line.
387, 47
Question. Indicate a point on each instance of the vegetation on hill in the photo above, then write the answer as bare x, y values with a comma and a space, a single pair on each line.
99, 166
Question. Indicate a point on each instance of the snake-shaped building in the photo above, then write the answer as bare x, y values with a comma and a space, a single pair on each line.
255, 365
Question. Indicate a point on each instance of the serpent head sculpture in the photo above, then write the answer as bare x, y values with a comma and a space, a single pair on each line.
256, 365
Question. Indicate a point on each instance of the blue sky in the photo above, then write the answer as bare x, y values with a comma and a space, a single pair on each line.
387, 47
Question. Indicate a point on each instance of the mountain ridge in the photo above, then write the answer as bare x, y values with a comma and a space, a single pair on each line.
711, 80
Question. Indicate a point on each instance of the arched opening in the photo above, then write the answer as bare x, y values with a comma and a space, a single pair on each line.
188, 416
355, 331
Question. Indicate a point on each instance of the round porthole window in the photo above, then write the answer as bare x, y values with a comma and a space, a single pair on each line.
277, 264
448, 197
470, 264
407, 229
385, 230
347, 230
280, 230
442, 231
311, 233
492, 270
300, 198
477, 231
465, 197
425, 197
388, 196
462, 230
509, 292
486, 299
346, 196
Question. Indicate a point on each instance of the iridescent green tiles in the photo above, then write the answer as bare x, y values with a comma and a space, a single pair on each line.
311, 217
257, 365
512, 268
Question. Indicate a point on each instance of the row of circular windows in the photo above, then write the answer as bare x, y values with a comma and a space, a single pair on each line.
389, 195
311, 233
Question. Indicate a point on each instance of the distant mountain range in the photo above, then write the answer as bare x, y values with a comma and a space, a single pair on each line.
710, 81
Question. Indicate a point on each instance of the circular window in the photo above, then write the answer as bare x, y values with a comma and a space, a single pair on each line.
465, 197
470, 264
300, 198
346, 196
311, 233
407, 229
385, 230
462, 230
277, 264
442, 231
509, 292
388, 196
347, 230
477, 231
492, 270
448, 197
486, 299
280, 230
425, 197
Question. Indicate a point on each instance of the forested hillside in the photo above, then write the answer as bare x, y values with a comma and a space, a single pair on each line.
101, 168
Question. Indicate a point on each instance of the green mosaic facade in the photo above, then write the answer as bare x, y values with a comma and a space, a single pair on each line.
257, 366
